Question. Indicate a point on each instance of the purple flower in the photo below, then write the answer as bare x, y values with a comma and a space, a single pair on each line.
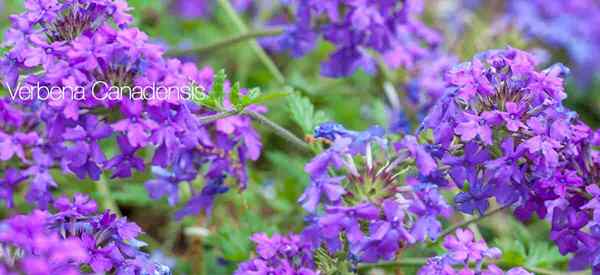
423, 159
465, 167
42, 251
563, 25
89, 44
566, 230
512, 116
476, 126
464, 248
14, 145
317, 167
11, 180
279, 255
387, 235
476, 198
86, 156
126, 160
205, 199
346, 219
323, 187
358, 28
137, 128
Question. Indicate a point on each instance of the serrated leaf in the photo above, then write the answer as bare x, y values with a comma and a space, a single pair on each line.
217, 92
234, 96
303, 113
251, 96
269, 97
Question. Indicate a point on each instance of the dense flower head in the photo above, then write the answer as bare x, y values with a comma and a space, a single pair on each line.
364, 200
501, 131
391, 28
463, 251
73, 237
564, 25
111, 85
279, 255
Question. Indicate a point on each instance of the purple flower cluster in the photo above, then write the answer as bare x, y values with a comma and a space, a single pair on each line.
501, 131
72, 238
565, 25
465, 251
390, 28
279, 255
364, 201
73, 44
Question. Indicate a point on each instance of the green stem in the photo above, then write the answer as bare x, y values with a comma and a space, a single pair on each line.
106, 199
401, 262
262, 55
470, 221
217, 45
284, 133
218, 116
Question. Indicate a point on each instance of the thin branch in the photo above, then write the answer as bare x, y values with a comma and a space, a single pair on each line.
401, 262
470, 221
106, 199
217, 45
215, 117
284, 133
262, 55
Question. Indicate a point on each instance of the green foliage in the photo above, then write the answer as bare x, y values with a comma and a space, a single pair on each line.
304, 114
215, 98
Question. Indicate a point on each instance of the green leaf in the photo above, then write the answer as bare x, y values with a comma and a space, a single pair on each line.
269, 97
217, 92
303, 113
235, 95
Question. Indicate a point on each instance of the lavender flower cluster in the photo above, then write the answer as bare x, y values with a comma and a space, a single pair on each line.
366, 190
280, 255
501, 131
564, 25
74, 43
390, 28
72, 240
464, 250
368, 213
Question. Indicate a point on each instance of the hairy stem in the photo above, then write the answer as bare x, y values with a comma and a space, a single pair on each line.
470, 221
400, 262
284, 133
217, 45
105, 196
262, 55
220, 115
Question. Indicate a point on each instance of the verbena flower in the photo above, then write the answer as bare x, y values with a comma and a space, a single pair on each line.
72, 238
279, 255
356, 202
463, 251
504, 133
74, 46
564, 25
389, 28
